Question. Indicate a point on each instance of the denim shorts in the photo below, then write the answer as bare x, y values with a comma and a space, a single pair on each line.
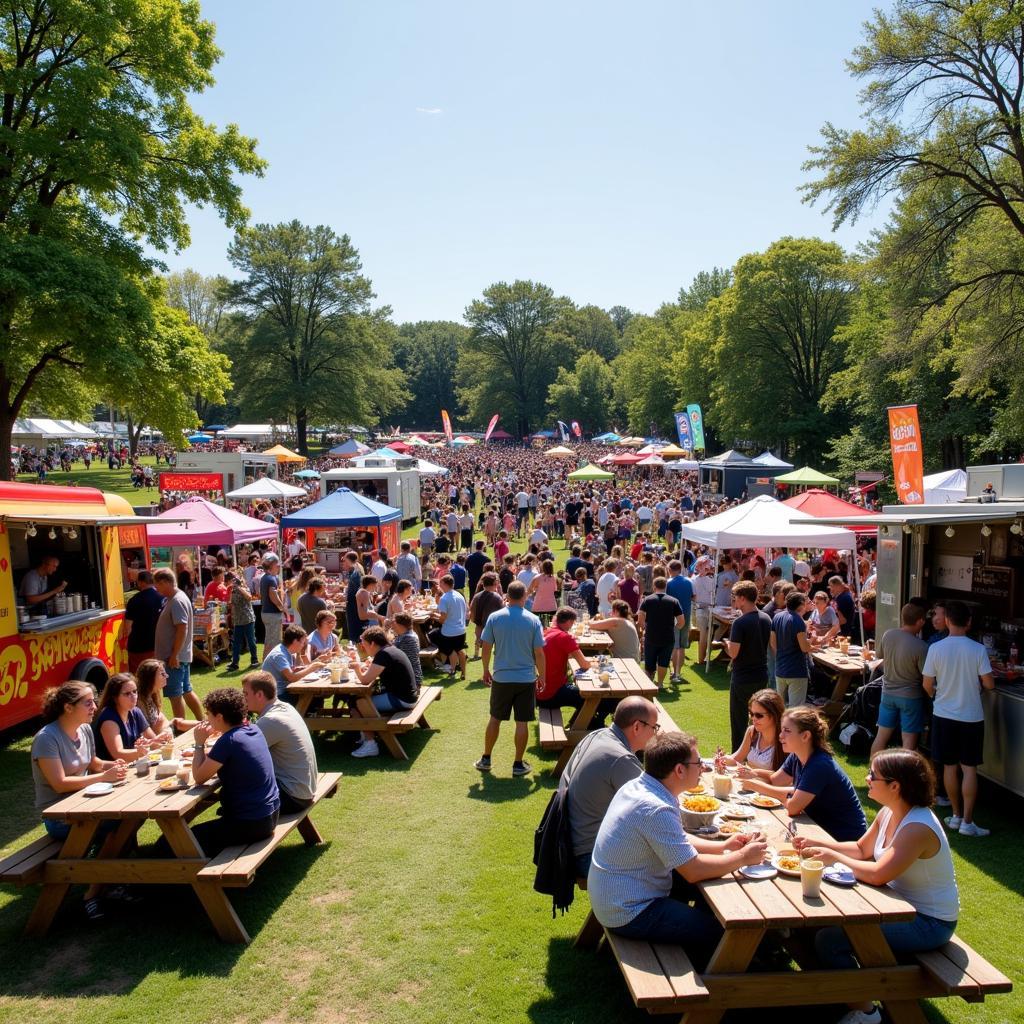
178, 680
682, 637
903, 713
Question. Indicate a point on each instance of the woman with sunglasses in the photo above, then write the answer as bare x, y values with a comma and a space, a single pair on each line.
122, 730
906, 849
150, 678
810, 780
761, 751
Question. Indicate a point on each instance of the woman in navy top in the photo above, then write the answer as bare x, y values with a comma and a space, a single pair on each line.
810, 781
122, 730
249, 798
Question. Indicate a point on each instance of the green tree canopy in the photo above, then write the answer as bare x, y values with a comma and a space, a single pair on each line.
309, 344
428, 354
513, 352
585, 394
99, 146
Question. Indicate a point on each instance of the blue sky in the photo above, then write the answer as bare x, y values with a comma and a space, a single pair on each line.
611, 151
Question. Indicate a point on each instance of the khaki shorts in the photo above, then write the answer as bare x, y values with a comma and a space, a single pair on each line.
520, 698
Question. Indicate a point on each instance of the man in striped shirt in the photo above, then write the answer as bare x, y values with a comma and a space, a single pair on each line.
644, 866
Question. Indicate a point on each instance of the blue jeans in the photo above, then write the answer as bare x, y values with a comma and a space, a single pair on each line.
583, 865
387, 704
916, 936
669, 920
243, 635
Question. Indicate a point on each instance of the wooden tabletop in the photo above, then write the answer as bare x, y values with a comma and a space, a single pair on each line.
831, 658
321, 686
594, 640
137, 798
626, 678
740, 902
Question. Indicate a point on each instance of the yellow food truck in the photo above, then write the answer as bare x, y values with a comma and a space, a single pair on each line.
85, 540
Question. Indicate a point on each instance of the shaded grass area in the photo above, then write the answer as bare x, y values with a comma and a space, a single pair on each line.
116, 481
419, 907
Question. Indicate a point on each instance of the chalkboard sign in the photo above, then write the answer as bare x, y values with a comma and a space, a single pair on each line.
995, 581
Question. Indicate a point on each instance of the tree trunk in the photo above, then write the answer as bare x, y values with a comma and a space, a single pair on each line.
132, 437
7, 418
300, 431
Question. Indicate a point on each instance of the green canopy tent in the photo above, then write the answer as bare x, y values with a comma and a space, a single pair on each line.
591, 472
806, 477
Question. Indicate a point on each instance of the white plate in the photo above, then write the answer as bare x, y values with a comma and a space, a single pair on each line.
784, 871
98, 789
758, 871
737, 813
839, 874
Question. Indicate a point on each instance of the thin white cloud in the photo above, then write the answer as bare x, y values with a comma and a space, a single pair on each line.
428, 110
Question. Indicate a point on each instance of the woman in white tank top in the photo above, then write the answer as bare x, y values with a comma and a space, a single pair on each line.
906, 849
760, 753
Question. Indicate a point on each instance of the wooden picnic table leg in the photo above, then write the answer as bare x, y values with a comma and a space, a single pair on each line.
52, 894
872, 950
309, 832
590, 934
364, 705
733, 955
214, 899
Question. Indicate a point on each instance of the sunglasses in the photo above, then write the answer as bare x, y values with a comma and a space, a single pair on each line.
758, 714
872, 777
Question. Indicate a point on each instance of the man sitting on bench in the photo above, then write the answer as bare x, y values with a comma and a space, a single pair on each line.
287, 735
390, 665
644, 866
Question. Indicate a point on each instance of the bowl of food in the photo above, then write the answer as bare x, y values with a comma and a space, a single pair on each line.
699, 811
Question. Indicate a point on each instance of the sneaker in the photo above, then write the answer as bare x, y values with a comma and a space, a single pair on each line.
953, 822
254, 664
447, 670
439, 665
968, 828
368, 748
860, 1017
233, 668
121, 894
943, 801
521, 767
93, 910
675, 679
483, 765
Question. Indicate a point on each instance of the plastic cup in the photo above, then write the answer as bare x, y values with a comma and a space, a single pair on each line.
182, 775
167, 750
810, 878
335, 671
604, 678
722, 785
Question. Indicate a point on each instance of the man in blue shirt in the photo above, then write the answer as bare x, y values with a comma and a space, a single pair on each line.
679, 587
644, 865
280, 662
450, 639
786, 562
515, 638
790, 644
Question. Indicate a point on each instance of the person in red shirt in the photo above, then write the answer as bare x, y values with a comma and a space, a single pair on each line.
556, 691
216, 589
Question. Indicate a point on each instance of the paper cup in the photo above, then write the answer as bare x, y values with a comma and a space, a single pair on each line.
810, 878
722, 785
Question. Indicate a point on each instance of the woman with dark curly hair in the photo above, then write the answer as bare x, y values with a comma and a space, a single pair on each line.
249, 798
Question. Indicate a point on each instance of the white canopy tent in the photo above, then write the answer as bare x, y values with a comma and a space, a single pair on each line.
766, 523
265, 487
678, 465
945, 488
41, 431
248, 432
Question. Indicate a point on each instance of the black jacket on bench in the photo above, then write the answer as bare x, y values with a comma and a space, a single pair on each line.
552, 854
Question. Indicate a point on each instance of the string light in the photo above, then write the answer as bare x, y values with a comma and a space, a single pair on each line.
31, 531
52, 534
1016, 528
986, 530
950, 532
908, 529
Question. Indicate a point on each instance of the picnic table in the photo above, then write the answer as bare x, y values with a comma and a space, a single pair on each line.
626, 679
594, 642
60, 865
662, 980
844, 669
356, 711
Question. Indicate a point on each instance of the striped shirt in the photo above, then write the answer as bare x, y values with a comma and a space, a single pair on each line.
408, 643
640, 843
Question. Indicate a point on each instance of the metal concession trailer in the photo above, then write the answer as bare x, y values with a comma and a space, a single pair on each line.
392, 485
971, 552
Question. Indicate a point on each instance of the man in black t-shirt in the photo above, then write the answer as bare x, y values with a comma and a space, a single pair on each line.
659, 616
391, 666
475, 566
141, 614
748, 649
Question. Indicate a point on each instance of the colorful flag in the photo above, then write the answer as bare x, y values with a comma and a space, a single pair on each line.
446, 422
683, 430
696, 427
576, 429
563, 429
907, 461
490, 427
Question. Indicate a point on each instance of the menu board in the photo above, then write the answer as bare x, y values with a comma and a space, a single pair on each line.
954, 572
995, 581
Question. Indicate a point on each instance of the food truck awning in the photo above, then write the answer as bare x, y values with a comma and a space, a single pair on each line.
78, 520
923, 516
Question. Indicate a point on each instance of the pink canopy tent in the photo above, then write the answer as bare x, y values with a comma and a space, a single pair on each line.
606, 461
627, 459
651, 460
822, 505
206, 523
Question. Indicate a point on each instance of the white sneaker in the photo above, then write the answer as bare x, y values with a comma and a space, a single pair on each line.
860, 1017
943, 801
953, 822
368, 748
968, 828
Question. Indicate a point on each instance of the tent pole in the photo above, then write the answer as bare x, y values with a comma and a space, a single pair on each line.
711, 617
856, 583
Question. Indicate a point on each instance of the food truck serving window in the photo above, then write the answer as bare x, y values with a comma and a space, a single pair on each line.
46, 555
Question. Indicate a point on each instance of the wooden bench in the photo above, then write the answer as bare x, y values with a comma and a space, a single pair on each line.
26, 866
411, 718
551, 729
235, 866
664, 718
427, 656
963, 972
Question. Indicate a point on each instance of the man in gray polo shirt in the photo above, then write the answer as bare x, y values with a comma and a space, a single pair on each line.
903, 701
599, 767
291, 746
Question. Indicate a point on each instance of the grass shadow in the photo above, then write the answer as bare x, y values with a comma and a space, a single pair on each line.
497, 789
167, 929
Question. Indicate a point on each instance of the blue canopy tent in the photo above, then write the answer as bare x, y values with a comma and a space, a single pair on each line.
216, 426
345, 520
199, 438
609, 438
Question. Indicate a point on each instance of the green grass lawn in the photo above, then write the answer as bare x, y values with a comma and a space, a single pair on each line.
116, 481
419, 907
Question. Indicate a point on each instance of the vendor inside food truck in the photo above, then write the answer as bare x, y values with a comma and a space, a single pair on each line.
36, 585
